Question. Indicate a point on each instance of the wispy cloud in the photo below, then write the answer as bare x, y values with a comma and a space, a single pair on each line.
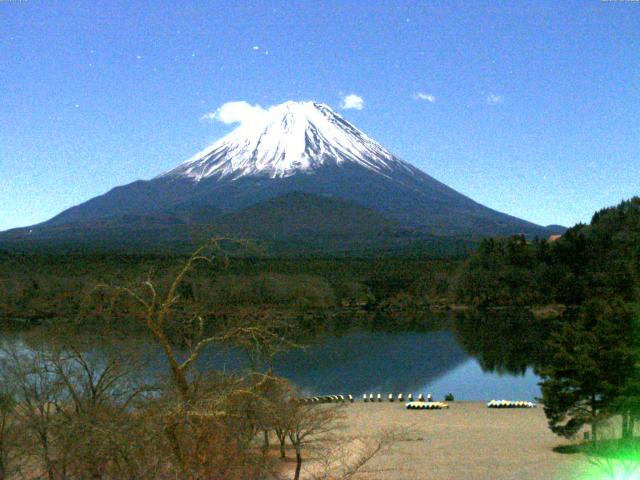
428, 97
235, 112
493, 99
209, 116
352, 101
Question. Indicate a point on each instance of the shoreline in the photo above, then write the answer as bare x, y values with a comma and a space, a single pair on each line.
465, 441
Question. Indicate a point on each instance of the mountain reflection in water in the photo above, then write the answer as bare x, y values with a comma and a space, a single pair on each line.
373, 361
476, 358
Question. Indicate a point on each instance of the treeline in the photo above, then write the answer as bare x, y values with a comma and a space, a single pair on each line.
591, 361
36, 287
600, 259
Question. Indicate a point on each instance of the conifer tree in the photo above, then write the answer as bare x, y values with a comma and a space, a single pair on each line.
592, 360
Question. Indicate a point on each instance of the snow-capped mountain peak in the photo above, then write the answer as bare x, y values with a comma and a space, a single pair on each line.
290, 138
298, 167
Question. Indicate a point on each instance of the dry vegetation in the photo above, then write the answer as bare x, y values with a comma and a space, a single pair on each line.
67, 413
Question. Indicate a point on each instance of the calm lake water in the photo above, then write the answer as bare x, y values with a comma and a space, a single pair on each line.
408, 362
472, 362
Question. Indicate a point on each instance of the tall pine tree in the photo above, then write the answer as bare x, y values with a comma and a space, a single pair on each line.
592, 361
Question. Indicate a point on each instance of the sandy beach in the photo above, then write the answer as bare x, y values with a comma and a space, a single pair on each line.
466, 441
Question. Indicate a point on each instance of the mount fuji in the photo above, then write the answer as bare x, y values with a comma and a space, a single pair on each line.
298, 172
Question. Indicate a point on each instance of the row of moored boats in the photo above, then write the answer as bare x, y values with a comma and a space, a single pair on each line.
510, 404
422, 402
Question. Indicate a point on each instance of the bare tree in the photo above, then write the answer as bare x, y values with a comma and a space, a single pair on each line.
263, 344
96, 419
198, 409
7, 429
37, 394
278, 403
159, 312
92, 383
345, 457
73, 410
309, 425
262, 334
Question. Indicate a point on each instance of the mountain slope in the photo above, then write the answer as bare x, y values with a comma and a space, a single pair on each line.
294, 147
289, 225
301, 215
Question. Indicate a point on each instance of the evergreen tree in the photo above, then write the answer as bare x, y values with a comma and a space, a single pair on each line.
592, 361
627, 404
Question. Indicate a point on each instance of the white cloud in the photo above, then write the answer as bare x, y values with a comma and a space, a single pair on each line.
352, 101
256, 47
425, 96
493, 99
236, 112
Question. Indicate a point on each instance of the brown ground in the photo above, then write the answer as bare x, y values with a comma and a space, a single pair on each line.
467, 441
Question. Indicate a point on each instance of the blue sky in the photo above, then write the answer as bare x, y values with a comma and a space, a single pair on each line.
531, 108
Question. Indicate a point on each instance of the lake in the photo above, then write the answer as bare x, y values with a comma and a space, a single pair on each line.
407, 362
473, 358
